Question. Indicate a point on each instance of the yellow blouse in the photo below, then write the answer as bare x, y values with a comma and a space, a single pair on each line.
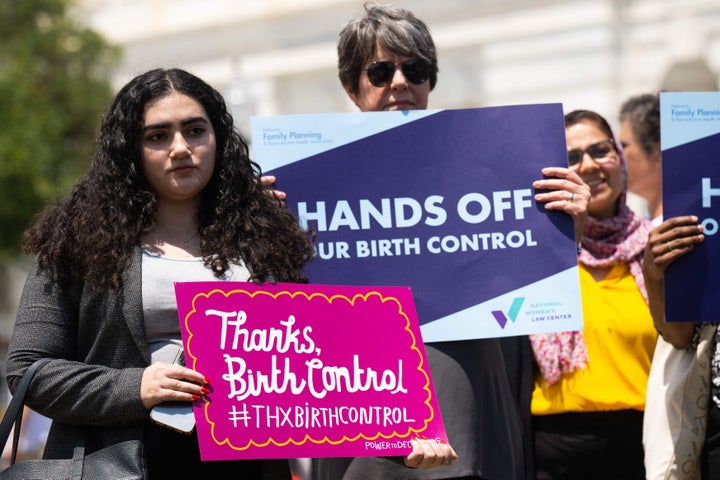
620, 340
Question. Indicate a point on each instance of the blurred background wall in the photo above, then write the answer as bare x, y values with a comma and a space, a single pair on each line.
278, 56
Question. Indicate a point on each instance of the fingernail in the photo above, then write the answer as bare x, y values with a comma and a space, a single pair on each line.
195, 397
204, 390
207, 380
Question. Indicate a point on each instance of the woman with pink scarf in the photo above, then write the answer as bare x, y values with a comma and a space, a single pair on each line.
589, 392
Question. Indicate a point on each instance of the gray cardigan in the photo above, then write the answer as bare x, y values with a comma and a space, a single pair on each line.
98, 349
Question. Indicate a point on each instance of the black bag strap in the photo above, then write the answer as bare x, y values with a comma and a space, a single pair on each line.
13, 414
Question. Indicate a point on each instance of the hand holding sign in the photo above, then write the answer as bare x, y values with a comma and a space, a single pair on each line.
429, 454
566, 192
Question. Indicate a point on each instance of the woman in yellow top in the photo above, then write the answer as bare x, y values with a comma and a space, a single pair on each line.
589, 393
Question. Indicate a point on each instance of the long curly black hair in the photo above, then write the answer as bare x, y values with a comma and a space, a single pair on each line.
90, 235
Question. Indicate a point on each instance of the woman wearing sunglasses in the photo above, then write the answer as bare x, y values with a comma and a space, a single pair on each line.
589, 395
387, 61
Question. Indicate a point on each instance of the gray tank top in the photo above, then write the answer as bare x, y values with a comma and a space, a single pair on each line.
159, 273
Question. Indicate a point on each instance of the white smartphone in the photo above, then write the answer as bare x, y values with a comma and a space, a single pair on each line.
176, 415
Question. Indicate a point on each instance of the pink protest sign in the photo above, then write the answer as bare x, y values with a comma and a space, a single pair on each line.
307, 370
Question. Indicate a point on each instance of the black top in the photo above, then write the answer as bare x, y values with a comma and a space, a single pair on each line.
480, 413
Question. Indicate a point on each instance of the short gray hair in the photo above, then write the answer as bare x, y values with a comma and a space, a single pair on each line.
395, 29
643, 111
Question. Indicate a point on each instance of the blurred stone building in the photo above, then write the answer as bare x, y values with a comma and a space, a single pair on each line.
278, 56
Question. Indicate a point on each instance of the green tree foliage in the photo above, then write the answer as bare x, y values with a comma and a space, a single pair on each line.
54, 88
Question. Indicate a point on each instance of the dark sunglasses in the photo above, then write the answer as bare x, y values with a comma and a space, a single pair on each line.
600, 152
415, 70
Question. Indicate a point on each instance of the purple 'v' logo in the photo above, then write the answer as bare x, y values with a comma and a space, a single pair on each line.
512, 313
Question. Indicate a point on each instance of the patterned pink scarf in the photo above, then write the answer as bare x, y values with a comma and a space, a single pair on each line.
606, 242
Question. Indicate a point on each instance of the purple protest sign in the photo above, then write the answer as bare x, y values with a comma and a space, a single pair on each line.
690, 133
438, 200
307, 370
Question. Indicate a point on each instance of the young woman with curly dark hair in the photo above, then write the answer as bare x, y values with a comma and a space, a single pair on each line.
171, 195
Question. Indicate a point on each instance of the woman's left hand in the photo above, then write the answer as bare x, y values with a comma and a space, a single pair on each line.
566, 192
428, 453
672, 239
